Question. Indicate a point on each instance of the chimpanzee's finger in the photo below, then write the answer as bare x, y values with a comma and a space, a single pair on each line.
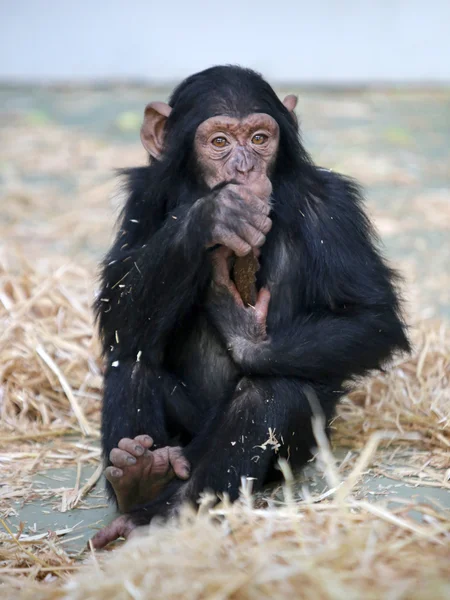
241, 192
131, 446
262, 306
179, 462
236, 295
144, 440
219, 288
113, 474
161, 463
250, 234
121, 459
261, 187
221, 270
254, 192
235, 243
259, 221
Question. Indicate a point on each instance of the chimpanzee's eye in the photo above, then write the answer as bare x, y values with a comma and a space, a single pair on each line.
259, 139
219, 142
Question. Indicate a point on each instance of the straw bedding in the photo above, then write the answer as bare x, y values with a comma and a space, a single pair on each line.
297, 543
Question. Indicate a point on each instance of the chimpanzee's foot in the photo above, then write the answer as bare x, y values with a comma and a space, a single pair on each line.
138, 475
120, 527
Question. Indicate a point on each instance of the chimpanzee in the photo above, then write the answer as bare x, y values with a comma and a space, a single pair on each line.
243, 279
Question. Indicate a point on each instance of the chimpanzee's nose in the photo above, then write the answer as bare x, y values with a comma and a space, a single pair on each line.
244, 164
244, 169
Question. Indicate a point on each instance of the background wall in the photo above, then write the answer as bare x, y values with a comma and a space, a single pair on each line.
346, 41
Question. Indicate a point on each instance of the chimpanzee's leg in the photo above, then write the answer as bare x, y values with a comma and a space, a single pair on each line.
137, 428
238, 442
266, 418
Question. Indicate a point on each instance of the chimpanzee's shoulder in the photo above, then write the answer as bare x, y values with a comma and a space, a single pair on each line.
340, 191
340, 211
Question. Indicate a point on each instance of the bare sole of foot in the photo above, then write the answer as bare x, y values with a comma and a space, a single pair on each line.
139, 474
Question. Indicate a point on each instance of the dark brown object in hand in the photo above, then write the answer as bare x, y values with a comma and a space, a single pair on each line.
244, 277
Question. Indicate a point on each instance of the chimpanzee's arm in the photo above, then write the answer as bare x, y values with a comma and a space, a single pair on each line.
349, 319
151, 277
326, 346
144, 399
159, 262
149, 286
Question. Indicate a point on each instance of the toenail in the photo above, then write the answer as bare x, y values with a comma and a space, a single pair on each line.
131, 460
116, 473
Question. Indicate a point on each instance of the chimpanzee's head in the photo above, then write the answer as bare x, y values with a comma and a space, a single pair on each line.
229, 119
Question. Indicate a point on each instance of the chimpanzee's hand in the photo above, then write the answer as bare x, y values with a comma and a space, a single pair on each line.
241, 328
236, 216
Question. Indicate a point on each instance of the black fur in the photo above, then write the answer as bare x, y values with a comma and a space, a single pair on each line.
334, 313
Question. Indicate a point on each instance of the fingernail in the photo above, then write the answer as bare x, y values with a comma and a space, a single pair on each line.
131, 460
139, 449
148, 439
186, 472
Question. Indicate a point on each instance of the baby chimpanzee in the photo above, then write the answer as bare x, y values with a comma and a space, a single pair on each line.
243, 279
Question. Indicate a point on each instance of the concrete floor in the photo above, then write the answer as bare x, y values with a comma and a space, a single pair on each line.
396, 143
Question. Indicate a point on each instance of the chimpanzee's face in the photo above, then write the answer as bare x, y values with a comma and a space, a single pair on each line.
243, 150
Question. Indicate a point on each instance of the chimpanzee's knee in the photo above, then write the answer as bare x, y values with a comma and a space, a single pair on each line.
248, 392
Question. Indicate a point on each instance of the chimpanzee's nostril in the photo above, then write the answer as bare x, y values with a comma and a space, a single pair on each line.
244, 167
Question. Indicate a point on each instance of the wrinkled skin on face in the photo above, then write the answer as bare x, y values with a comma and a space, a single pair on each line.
243, 150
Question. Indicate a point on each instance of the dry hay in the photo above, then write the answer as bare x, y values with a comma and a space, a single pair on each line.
413, 396
340, 547
47, 347
299, 551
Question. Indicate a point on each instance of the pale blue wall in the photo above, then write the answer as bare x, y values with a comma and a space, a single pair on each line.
313, 41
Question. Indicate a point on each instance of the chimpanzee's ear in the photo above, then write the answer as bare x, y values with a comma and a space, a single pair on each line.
152, 130
290, 102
